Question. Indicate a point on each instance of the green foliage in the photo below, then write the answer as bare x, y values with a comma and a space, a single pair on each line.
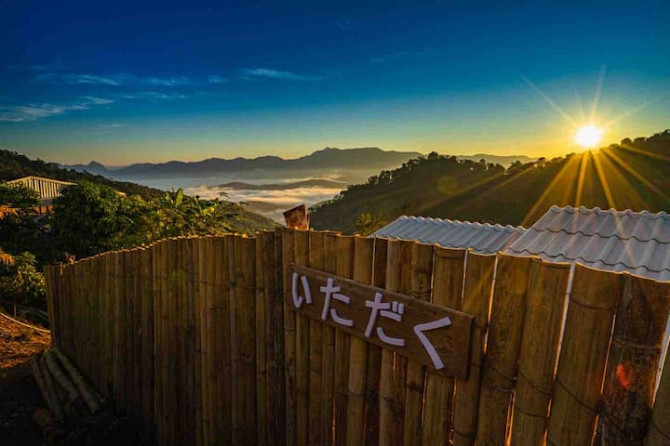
89, 219
19, 228
367, 223
18, 196
21, 282
14, 165
630, 175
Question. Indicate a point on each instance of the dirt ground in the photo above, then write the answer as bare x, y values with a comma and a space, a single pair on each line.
19, 395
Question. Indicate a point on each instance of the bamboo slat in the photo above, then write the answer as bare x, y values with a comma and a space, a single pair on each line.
374, 360
393, 367
261, 327
634, 355
502, 353
317, 261
421, 288
243, 343
328, 353
221, 383
277, 379
358, 356
302, 342
581, 364
448, 271
345, 268
288, 256
548, 285
659, 425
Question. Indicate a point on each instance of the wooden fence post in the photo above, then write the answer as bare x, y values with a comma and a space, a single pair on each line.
421, 288
502, 352
301, 239
375, 354
547, 289
394, 366
288, 256
581, 364
345, 268
317, 255
477, 292
659, 425
448, 276
633, 360
328, 352
358, 355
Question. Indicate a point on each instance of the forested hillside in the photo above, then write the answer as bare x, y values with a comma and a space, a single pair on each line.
634, 174
14, 165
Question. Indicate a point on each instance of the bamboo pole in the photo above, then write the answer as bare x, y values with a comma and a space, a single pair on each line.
220, 331
47, 393
159, 321
328, 352
358, 356
659, 425
633, 360
136, 338
547, 289
190, 337
301, 240
288, 256
422, 275
261, 334
90, 395
316, 261
393, 368
204, 291
147, 327
345, 268
374, 360
581, 364
277, 428
242, 275
504, 341
448, 273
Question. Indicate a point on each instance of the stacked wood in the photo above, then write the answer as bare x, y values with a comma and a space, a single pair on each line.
76, 413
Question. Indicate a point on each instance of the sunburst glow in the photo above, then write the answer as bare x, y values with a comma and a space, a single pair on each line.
588, 136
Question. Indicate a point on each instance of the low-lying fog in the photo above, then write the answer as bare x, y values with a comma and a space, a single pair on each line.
279, 195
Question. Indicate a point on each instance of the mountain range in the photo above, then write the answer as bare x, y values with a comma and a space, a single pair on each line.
369, 159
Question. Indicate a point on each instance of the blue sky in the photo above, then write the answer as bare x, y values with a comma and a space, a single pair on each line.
123, 82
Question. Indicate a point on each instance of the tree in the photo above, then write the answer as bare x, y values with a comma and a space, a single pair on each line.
21, 282
89, 219
367, 223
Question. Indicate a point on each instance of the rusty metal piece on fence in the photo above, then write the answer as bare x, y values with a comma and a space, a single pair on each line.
434, 336
297, 218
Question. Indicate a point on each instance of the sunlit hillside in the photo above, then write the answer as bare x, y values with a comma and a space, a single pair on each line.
633, 174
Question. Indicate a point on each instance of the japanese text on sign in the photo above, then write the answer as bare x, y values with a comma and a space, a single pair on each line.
435, 336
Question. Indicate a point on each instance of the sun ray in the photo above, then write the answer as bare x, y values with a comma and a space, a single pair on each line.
596, 99
585, 157
655, 155
558, 178
604, 183
548, 100
628, 168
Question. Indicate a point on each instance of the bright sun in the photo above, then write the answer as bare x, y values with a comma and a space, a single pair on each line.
588, 136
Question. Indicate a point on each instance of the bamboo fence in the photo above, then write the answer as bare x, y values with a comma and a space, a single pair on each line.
194, 337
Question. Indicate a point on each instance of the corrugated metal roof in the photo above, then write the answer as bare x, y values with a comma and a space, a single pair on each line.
637, 242
482, 238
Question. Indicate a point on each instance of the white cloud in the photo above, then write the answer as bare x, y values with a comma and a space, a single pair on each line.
214, 79
33, 112
153, 95
75, 79
269, 73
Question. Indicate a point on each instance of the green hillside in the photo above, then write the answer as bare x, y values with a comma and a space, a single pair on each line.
634, 174
14, 165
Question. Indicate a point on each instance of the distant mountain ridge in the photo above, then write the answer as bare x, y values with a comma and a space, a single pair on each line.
333, 158
328, 158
